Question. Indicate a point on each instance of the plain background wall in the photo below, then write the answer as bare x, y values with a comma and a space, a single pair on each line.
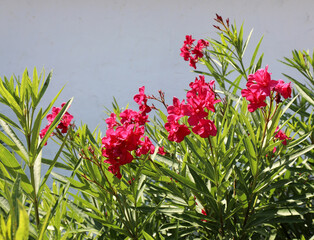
106, 48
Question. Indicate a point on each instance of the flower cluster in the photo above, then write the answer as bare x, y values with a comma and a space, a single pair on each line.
200, 99
126, 135
189, 48
63, 124
260, 85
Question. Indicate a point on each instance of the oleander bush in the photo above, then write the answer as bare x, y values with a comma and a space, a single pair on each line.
233, 160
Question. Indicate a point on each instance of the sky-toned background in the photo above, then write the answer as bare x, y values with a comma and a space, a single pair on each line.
106, 48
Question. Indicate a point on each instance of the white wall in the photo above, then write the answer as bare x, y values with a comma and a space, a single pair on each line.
106, 48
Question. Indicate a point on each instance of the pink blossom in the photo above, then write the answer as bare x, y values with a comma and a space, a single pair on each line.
161, 151
281, 136
63, 125
261, 81
176, 131
257, 99
141, 100
177, 108
111, 121
146, 147
284, 89
125, 139
192, 53
205, 128
189, 40
200, 99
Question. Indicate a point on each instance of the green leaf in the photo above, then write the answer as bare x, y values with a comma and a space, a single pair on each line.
37, 171
10, 122
199, 183
184, 180
8, 130
56, 164
43, 90
289, 104
254, 55
44, 224
64, 191
251, 154
10, 100
35, 84
147, 236
14, 168
23, 227
4, 204
23, 86
296, 154
14, 210
52, 102
305, 94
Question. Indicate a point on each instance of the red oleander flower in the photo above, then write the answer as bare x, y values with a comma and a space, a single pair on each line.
130, 116
146, 147
188, 50
141, 100
260, 85
197, 111
177, 132
281, 136
177, 108
63, 125
200, 99
189, 40
261, 81
193, 62
111, 121
185, 53
257, 99
125, 139
44, 131
161, 151
284, 89
205, 128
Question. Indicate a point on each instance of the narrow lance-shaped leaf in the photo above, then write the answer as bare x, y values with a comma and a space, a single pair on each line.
23, 227
52, 102
43, 90
8, 130
37, 171
11, 102
14, 168
10, 122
